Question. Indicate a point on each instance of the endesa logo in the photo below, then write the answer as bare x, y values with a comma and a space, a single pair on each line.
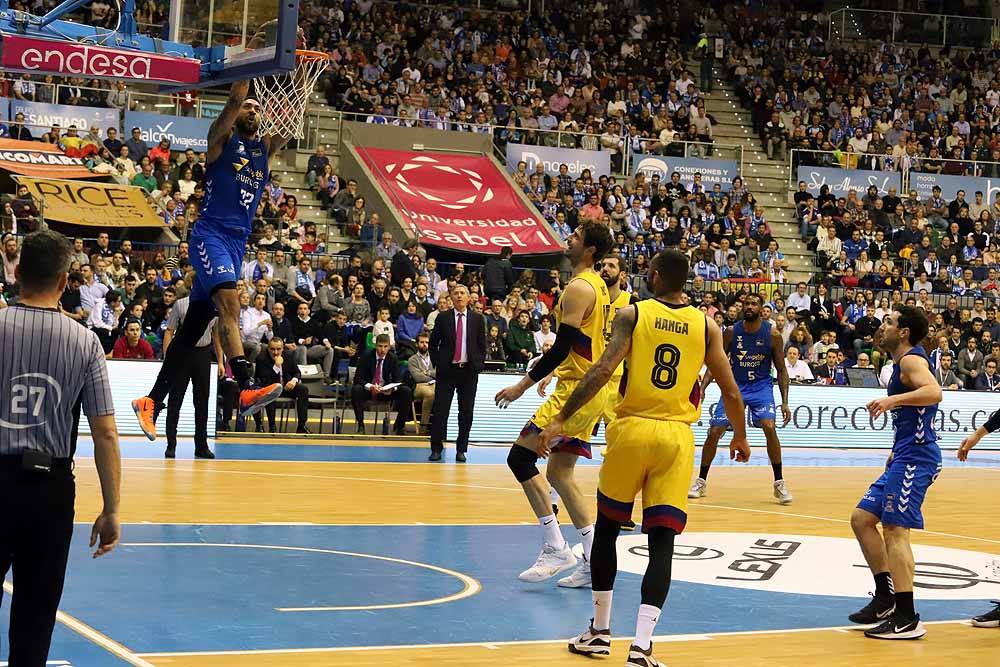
31, 54
87, 62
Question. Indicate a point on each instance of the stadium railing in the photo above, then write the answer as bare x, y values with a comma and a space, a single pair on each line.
912, 27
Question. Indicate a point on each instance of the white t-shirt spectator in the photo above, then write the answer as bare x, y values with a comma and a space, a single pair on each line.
800, 371
542, 338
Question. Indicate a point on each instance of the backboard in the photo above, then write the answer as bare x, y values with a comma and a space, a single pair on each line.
247, 38
209, 42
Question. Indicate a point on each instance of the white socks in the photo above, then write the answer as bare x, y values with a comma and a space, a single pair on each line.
602, 610
554, 496
645, 622
550, 530
587, 536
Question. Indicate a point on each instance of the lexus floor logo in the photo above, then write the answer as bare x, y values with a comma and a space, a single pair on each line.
812, 565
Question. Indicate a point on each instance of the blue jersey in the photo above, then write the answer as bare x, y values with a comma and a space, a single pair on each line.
234, 183
914, 437
751, 356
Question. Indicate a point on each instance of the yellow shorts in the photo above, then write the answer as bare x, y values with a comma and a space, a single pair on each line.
578, 429
652, 456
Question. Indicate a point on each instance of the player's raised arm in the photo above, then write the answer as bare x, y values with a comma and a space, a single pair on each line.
598, 375
778, 358
577, 302
718, 365
222, 127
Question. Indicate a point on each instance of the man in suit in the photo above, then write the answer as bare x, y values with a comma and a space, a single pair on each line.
458, 349
970, 363
278, 365
376, 369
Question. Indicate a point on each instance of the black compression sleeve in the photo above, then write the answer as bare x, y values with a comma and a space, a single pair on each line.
993, 423
556, 354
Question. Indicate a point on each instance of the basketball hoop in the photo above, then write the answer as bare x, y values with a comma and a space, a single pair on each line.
283, 97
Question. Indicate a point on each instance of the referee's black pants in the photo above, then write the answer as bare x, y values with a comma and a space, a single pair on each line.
36, 526
196, 368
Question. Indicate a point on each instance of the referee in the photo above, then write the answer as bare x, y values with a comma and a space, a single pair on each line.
50, 367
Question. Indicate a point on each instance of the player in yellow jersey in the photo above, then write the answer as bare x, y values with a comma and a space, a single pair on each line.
611, 272
664, 343
581, 315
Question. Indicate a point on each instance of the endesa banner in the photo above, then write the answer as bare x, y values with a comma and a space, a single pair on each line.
33, 158
712, 171
64, 115
576, 160
34, 55
822, 416
182, 132
93, 204
459, 201
842, 181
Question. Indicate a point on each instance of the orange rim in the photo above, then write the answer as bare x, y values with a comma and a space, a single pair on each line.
311, 56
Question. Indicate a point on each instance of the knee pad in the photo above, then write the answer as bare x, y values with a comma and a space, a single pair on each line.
521, 462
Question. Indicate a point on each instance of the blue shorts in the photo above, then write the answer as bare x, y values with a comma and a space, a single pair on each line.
896, 497
759, 400
217, 256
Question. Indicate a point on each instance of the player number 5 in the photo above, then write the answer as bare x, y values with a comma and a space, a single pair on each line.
665, 360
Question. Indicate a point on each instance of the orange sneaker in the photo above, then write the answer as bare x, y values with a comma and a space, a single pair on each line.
145, 410
254, 399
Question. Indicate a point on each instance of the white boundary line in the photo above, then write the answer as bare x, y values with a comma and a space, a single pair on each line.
660, 639
87, 632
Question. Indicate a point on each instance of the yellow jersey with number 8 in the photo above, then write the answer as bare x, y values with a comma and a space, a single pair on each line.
590, 343
664, 363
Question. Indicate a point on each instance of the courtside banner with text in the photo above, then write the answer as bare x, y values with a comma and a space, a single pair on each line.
64, 115
34, 158
183, 132
924, 185
576, 160
712, 171
461, 202
822, 416
842, 181
92, 204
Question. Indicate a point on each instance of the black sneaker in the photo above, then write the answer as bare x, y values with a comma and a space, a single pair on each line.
898, 628
876, 611
636, 656
591, 642
204, 454
628, 525
990, 619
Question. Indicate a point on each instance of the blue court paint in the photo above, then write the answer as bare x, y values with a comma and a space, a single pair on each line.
168, 598
233, 449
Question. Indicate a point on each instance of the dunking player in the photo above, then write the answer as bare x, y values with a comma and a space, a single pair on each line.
650, 442
990, 619
753, 346
234, 181
896, 497
582, 312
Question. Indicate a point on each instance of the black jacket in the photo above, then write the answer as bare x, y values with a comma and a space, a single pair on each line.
442, 343
498, 275
265, 370
365, 373
303, 330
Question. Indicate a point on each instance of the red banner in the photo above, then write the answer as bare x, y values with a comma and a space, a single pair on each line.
33, 158
21, 53
459, 201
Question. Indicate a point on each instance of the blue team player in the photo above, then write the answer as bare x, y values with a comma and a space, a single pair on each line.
896, 497
234, 181
754, 348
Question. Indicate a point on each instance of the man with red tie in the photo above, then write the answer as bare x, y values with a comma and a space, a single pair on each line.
377, 372
458, 349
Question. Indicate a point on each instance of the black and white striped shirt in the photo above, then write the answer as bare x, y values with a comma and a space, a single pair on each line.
50, 366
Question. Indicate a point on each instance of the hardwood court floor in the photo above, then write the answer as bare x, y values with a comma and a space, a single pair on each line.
452, 510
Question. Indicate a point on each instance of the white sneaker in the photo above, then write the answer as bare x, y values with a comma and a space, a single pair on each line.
782, 493
698, 489
550, 562
580, 577
591, 642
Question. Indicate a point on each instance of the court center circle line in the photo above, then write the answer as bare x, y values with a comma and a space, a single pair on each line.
470, 586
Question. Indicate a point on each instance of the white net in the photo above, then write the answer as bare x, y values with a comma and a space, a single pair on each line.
284, 97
